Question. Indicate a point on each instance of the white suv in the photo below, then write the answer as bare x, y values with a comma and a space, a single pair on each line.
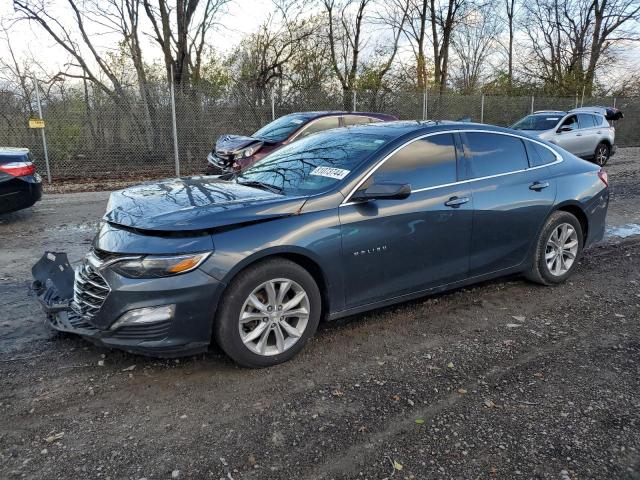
585, 132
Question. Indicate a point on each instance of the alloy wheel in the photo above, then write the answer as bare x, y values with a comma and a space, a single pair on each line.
274, 317
561, 249
602, 155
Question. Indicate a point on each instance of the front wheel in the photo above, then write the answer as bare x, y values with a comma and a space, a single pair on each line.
268, 313
602, 154
557, 249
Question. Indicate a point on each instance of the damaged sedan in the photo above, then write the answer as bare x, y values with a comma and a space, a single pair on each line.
338, 223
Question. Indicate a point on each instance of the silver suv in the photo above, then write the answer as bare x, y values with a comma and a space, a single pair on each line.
585, 132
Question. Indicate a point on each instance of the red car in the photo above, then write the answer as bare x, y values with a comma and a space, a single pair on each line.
237, 152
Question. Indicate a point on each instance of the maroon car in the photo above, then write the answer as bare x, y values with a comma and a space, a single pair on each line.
237, 152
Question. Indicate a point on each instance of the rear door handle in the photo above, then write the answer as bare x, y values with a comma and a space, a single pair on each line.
537, 186
455, 202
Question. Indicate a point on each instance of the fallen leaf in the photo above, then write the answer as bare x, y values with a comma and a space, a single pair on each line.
397, 465
489, 404
54, 437
395, 398
128, 369
337, 393
462, 391
538, 375
519, 318
450, 365
362, 429
419, 421
513, 325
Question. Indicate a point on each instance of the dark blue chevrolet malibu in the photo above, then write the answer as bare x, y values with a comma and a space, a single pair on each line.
340, 222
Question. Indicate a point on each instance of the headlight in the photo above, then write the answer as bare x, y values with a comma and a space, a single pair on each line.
247, 152
159, 266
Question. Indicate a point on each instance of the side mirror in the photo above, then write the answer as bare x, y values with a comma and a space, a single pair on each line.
384, 191
565, 128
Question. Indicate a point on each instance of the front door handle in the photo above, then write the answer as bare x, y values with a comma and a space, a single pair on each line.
455, 202
537, 186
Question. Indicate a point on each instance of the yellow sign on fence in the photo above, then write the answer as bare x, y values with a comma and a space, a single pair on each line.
36, 123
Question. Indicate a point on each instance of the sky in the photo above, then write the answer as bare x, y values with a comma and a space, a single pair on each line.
242, 17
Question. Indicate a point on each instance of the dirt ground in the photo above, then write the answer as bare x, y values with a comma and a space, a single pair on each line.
504, 380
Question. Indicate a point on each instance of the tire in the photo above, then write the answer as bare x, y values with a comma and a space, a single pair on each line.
602, 154
279, 344
539, 270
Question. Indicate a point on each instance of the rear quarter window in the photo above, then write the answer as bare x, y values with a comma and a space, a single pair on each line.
539, 155
493, 154
586, 121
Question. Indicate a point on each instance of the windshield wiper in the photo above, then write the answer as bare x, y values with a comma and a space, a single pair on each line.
261, 185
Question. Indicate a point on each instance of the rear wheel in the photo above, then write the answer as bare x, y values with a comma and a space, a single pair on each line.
602, 154
268, 313
557, 249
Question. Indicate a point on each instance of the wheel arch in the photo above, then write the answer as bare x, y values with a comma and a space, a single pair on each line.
606, 142
577, 211
299, 256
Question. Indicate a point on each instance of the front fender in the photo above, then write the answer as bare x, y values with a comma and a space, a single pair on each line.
315, 236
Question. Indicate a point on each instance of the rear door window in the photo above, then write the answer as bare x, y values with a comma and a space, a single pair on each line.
493, 154
586, 121
427, 162
320, 125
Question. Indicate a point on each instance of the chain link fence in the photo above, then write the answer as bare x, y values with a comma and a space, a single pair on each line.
94, 135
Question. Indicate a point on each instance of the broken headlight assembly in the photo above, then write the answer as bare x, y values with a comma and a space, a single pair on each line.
247, 152
156, 266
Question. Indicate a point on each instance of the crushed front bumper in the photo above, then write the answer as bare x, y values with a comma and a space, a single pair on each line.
188, 332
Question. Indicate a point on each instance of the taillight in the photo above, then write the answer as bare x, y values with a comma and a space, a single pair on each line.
604, 177
18, 169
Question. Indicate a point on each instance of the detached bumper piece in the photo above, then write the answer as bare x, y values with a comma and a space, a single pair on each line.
55, 282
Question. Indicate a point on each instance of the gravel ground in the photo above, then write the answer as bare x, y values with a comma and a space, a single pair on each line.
503, 380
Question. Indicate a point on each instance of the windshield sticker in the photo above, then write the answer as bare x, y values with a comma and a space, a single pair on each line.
297, 121
552, 118
337, 173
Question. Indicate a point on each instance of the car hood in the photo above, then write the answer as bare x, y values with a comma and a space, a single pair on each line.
227, 144
195, 204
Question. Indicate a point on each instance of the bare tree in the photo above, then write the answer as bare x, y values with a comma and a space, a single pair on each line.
473, 42
182, 39
511, 15
610, 18
445, 16
37, 11
416, 32
345, 41
568, 39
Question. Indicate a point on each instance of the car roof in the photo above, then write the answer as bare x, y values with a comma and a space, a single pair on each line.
331, 113
400, 128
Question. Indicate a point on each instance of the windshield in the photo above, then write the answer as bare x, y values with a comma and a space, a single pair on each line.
281, 128
537, 122
315, 163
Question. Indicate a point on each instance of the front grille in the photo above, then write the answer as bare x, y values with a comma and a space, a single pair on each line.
90, 290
